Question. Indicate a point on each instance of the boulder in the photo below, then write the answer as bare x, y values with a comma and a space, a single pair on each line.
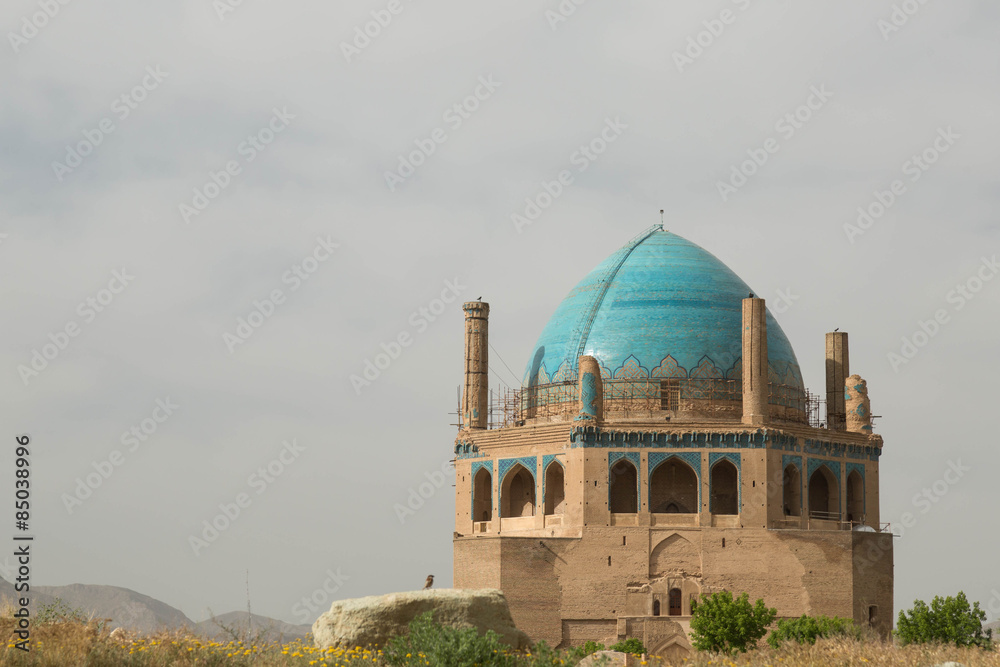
372, 621
609, 659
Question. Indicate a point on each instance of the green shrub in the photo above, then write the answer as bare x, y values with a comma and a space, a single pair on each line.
431, 642
588, 648
632, 645
808, 629
723, 624
59, 612
947, 620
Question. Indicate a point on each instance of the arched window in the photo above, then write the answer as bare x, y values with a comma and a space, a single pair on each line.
673, 487
725, 488
791, 484
855, 497
824, 495
517, 497
656, 607
555, 491
482, 496
623, 492
675, 602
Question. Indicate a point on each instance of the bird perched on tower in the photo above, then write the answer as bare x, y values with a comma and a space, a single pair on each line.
429, 582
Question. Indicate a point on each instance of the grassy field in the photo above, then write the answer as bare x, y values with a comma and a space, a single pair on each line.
71, 644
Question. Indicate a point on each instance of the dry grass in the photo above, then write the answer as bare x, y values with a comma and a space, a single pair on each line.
839, 652
88, 645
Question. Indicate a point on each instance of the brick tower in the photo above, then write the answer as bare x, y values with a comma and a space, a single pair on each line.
662, 446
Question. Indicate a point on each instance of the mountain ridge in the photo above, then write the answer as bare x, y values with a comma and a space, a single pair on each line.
136, 612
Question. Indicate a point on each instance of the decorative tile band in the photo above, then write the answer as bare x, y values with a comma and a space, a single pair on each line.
476, 465
615, 457
715, 457
596, 437
796, 460
693, 459
832, 466
529, 462
467, 450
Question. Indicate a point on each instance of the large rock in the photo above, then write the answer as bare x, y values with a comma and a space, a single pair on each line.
373, 620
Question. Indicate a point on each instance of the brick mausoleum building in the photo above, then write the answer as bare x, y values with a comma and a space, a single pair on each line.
663, 446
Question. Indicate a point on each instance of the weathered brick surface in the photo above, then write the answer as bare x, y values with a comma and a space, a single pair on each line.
590, 574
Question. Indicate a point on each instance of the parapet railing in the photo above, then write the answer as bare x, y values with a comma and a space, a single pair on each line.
645, 397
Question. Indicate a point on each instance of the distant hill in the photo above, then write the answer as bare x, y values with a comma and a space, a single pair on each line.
124, 607
224, 625
145, 615
995, 626
8, 594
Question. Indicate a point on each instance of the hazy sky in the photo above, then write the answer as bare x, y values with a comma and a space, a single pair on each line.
167, 166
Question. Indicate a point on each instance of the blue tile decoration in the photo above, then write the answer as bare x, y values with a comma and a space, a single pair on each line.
832, 466
693, 459
797, 460
529, 462
715, 457
588, 397
467, 450
476, 465
615, 457
661, 306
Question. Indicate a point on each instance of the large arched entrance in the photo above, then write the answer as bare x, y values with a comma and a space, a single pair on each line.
824, 495
517, 497
725, 498
673, 488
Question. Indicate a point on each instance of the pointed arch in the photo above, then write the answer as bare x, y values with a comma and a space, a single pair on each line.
623, 488
791, 490
517, 493
855, 497
555, 488
675, 555
482, 495
824, 494
673, 487
724, 483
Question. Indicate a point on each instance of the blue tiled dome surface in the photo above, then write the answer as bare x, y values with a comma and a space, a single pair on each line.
660, 306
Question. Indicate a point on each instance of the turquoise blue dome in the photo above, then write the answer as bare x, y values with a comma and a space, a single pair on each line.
661, 306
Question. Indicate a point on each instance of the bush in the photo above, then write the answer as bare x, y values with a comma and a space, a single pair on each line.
726, 625
588, 648
808, 629
633, 646
431, 642
59, 612
947, 620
